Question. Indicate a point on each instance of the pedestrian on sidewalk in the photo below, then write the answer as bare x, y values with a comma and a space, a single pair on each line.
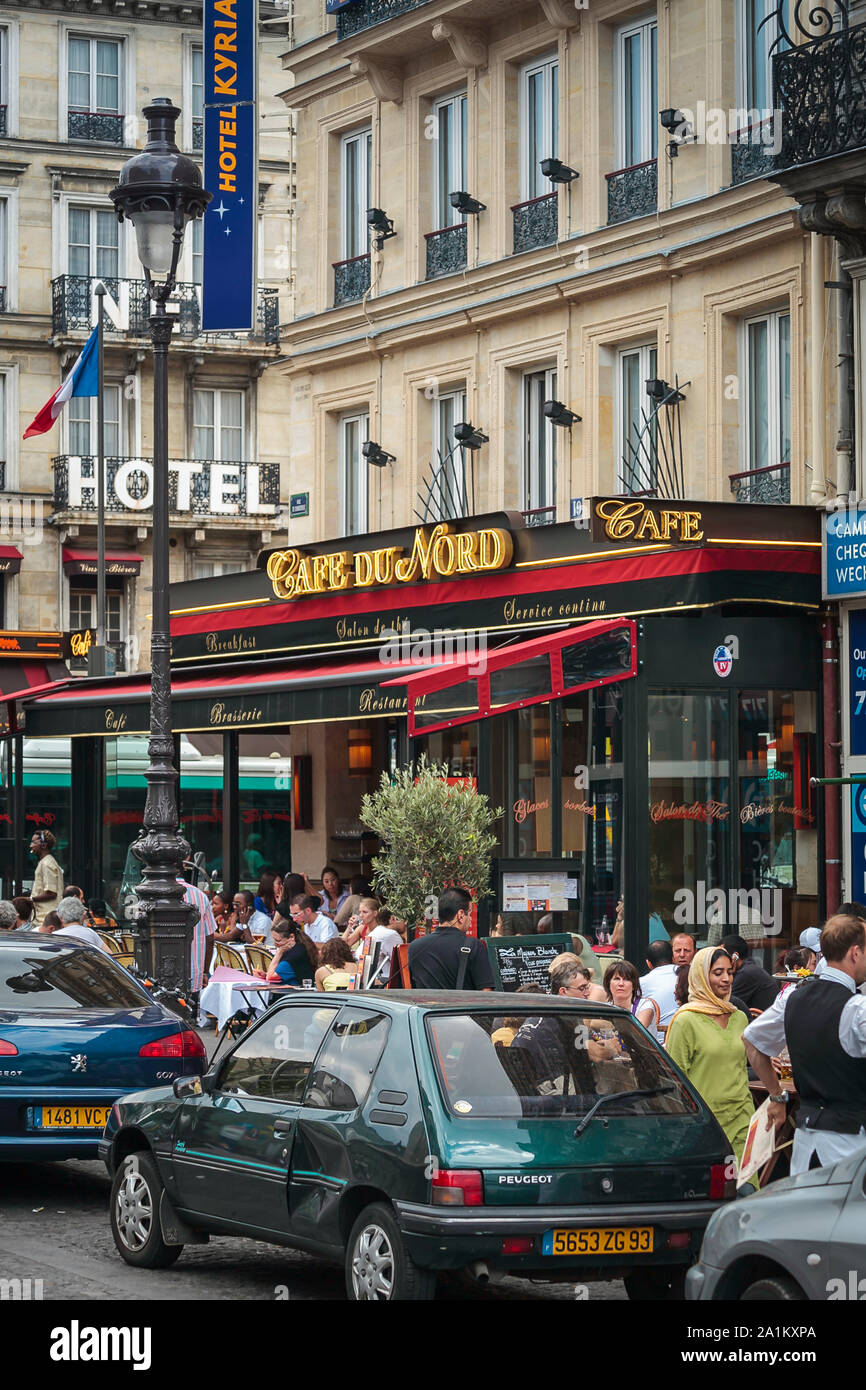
447, 958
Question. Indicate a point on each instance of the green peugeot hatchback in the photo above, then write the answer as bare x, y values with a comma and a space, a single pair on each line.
406, 1133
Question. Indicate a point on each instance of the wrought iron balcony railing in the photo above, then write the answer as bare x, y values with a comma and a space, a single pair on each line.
2, 120
446, 250
216, 488
351, 279
536, 222
356, 17
771, 484
632, 192
820, 87
72, 309
752, 151
539, 516
104, 127
197, 134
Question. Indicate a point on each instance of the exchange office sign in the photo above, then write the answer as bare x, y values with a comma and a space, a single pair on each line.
439, 552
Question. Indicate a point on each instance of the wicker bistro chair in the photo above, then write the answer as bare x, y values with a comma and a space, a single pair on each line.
258, 958
126, 958
228, 956
111, 941
127, 942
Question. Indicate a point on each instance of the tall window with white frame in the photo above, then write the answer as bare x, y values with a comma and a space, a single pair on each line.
765, 409
632, 189
352, 271
218, 425
82, 424
354, 474
93, 246
196, 95
634, 435
539, 448
4, 254
756, 34
4, 81
95, 90
536, 215
449, 494
82, 615
446, 244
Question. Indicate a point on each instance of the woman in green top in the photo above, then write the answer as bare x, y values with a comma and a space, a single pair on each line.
705, 1039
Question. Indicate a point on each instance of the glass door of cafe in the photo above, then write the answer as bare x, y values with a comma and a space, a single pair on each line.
733, 831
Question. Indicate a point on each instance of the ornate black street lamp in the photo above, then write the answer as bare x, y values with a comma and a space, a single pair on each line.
160, 190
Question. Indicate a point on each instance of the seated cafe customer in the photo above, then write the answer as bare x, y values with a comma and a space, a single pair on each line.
295, 955
338, 968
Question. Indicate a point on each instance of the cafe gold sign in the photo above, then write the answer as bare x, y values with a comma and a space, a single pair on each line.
619, 519
81, 642
437, 552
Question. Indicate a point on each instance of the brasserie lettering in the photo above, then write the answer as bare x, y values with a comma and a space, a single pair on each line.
437, 552
220, 715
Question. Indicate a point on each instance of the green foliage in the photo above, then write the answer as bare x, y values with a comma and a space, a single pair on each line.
433, 835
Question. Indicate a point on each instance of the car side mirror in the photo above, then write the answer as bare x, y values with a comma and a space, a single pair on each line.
185, 1087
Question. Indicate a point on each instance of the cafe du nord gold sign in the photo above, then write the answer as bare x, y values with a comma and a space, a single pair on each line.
626, 519
439, 552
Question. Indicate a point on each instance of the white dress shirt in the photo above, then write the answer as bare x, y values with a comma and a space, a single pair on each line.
321, 929
659, 985
260, 925
767, 1034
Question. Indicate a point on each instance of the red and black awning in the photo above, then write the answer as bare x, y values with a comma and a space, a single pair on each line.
122, 564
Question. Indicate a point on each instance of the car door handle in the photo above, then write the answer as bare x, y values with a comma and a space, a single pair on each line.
283, 1126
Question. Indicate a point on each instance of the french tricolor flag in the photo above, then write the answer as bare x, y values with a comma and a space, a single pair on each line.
83, 380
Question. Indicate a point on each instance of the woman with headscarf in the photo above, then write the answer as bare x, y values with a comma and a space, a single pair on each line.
705, 1039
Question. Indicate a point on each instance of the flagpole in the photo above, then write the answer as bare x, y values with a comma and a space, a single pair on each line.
101, 665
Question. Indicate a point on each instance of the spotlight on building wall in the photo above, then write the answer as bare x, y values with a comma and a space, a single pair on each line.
469, 436
674, 122
382, 225
559, 414
557, 172
375, 454
466, 205
662, 392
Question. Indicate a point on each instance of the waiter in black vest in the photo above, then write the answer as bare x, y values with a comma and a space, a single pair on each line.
823, 1024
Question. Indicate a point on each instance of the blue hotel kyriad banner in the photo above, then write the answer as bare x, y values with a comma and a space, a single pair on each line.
229, 243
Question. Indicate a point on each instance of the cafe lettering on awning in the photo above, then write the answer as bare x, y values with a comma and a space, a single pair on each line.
628, 519
437, 553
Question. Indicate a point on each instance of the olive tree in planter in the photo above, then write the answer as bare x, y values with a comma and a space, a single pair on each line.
434, 833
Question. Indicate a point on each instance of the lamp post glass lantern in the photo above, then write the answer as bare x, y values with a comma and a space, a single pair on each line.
159, 192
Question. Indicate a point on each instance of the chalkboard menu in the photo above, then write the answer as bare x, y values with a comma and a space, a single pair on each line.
525, 960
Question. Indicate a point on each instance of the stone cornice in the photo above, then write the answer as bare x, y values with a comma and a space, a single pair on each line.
185, 13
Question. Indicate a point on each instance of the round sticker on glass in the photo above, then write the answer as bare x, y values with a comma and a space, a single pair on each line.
462, 1107
723, 660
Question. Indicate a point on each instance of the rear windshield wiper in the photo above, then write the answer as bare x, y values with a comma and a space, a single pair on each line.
624, 1095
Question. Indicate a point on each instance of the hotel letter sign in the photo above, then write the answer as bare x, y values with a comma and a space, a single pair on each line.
228, 275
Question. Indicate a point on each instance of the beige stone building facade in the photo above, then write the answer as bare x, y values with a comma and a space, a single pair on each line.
74, 78
584, 259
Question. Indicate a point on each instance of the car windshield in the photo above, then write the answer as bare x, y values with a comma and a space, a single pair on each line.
559, 1062
66, 979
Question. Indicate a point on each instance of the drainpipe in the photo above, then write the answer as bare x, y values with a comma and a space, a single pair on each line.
818, 487
832, 743
846, 490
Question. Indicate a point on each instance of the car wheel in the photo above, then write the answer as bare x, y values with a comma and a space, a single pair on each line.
666, 1285
378, 1269
773, 1288
135, 1197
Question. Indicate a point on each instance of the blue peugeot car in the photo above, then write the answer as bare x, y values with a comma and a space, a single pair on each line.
77, 1032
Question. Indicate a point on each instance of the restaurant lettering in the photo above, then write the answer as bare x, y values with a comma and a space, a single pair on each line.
523, 808
217, 642
220, 716
514, 612
695, 810
642, 521
373, 701
754, 810
439, 552
81, 642
586, 807
114, 723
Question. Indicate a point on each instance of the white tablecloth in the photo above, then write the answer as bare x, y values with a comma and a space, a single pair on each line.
223, 997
